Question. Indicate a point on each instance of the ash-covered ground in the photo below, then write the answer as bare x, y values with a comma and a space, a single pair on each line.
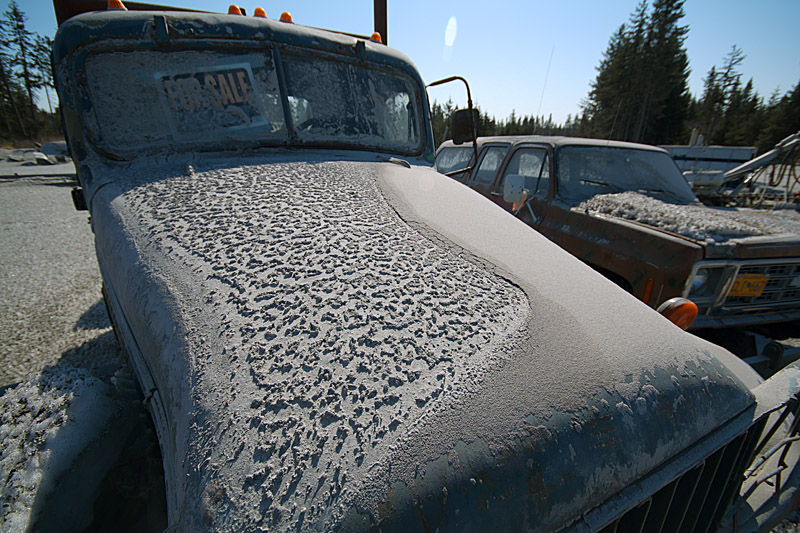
75, 435
50, 300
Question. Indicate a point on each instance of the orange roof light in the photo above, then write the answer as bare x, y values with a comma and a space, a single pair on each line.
679, 311
116, 5
259, 12
287, 17
376, 38
233, 9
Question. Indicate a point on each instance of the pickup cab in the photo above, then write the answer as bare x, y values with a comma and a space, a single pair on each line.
626, 210
330, 335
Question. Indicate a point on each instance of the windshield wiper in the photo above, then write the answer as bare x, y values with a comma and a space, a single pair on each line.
604, 184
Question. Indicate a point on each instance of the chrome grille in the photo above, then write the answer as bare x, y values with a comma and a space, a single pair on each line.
697, 500
781, 292
711, 495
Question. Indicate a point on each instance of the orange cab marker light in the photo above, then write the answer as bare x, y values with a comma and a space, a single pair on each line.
287, 17
116, 5
679, 311
233, 9
376, 38
259, 12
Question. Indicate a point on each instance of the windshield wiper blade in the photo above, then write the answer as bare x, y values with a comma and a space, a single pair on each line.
604, 184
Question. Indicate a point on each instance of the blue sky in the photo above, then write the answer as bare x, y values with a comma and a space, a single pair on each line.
503, 48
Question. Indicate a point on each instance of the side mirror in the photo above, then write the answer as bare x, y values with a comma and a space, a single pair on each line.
514, 188
464, 123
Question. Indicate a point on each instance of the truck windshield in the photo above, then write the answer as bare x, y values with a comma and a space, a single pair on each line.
585, 171
342, 102
202, 99
455, 158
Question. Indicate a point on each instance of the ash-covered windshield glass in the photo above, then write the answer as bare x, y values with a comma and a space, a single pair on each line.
152, 99
187, 99
586, 171
455, 158
339, 102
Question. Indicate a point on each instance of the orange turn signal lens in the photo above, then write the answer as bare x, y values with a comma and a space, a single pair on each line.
259, 12
286, 17
679, 311
116, 5
515, 206
233, 9
376, 38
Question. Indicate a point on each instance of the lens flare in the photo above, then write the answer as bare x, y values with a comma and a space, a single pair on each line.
450, 32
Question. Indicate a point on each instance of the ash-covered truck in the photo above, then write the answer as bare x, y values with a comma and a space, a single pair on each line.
330, 335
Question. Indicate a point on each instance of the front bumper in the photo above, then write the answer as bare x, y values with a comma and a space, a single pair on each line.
728, 321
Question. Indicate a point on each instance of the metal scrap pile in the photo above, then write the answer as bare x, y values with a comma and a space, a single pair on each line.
771, 180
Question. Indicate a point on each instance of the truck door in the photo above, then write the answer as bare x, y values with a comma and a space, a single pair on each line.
532, 162
485, 173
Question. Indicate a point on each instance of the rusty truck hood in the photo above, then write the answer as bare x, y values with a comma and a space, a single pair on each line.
345, 343
738, 233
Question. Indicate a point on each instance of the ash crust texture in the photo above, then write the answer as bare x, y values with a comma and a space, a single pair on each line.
322, 328
704, 224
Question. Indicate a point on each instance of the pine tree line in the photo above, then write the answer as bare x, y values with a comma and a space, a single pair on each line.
441, 117
24, 70
731, 113
641, 94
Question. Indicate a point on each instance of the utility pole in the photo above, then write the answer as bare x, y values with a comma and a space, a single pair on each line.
381, 23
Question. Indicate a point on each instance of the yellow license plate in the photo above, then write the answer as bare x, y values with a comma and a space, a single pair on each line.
749, 285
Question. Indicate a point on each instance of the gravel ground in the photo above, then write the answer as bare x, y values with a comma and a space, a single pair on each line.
79, 451
50, 284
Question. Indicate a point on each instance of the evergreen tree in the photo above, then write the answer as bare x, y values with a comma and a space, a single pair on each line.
782, 118
21, 41
441, 120
41, 61
24, 69
442, 116
641, 89
711, 105
744, 117
669, 82
486, 124
729, 113
8, 87
601, 108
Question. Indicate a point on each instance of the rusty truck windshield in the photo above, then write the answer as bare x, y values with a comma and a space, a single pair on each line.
586, 171
145, 100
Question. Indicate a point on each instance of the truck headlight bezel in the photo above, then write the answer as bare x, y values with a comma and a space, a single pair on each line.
709, 282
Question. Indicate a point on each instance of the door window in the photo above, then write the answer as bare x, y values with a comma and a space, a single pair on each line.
490, 162
531, 163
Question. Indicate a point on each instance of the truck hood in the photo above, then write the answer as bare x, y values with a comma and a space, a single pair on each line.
348, 343
724, 232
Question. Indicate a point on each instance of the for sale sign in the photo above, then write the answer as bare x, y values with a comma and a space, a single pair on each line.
222, 97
